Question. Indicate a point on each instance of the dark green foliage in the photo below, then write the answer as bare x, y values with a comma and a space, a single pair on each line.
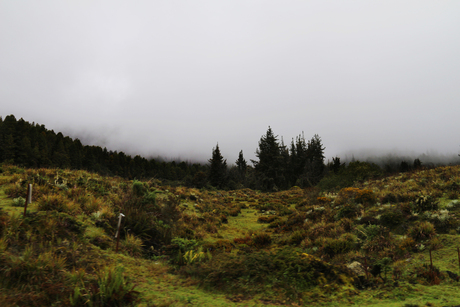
417, 164
261, 239
113, 289
241, 164
421, 231
145, 219
347, 211
32, 145
404, 167
217, 169
354, 171
425, 203
392, 218
381, 266
314, 167
336, 246
138, 188
178, 248
285, 269
270, 165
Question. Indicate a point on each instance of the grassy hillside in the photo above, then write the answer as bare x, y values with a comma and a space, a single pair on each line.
368, 244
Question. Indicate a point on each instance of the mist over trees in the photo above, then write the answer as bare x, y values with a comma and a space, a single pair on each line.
277, 166
32, 145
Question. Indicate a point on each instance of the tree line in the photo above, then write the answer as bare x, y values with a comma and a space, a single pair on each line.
33, 145
277, 167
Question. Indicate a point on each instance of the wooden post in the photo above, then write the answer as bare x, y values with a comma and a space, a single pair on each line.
365, 269
28, 198
117, 234
458, 253
431, 268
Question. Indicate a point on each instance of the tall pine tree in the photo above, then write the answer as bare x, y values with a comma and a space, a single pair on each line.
269, 167
217, 169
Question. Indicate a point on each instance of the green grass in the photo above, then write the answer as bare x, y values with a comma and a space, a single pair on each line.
6, 203
239, 226
160, 285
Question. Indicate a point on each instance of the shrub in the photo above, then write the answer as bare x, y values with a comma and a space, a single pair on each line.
407, 244
138, 188
132, 245
261, 239
347, 176
98, 237
296, 237
336, 246
428, 275
369, 232
114, 289
266, 219
347, 211
19, 202
421, 231
425, 203
59, 203
356, 196
365, 197
346, 195
389, 198
391, 218
285, 273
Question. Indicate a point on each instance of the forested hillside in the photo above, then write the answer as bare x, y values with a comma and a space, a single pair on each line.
33, 145
278, 166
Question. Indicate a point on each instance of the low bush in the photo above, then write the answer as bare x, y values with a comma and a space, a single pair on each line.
392, 218
261, 239
421, 231
267, 219
335, 246
425, 203
283, 272
347, 211
19, 202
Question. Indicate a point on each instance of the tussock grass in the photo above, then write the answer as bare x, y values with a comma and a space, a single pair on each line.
182, 246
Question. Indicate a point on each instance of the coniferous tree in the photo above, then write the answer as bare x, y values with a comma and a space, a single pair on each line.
298, 159
268, 168
314, 169
217, 168
336, 165
241, 164
239, 173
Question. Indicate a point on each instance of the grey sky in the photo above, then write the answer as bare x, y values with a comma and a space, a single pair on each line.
173, 78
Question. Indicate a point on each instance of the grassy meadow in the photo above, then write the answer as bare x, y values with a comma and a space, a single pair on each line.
367, 245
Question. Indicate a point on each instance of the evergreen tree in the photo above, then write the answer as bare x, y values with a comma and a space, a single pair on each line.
217, 169
417, 163
241, 164
298, 158
335, 165
314, 169
268, 168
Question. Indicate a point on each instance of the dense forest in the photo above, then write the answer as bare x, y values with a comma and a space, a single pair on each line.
278, 166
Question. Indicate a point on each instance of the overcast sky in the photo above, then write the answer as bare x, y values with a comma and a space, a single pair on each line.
174, 78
